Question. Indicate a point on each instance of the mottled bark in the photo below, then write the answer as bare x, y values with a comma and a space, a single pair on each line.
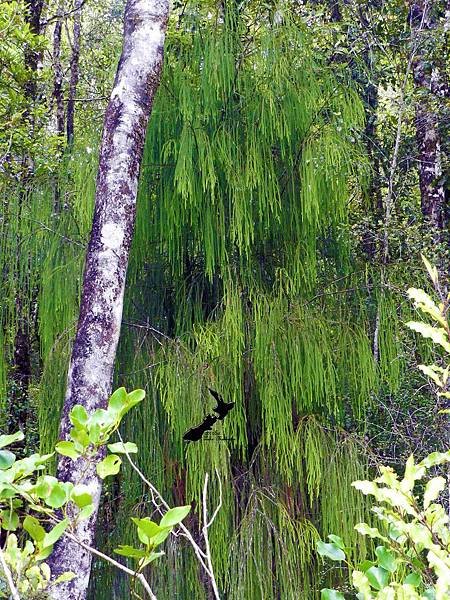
74, 70
427, 132
58, 75
92, 362
33, 18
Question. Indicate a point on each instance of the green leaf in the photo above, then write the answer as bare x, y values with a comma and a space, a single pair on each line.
378, 577
386, 559
130, 551
85, 512
118, 400
7, 459
148, 527
432, 271
67, 449
330, 551
81, 496
66, 576
327, 594
34, 528
54, 534
78, 416
372, 532
57, 496
153, 556
109, 466
123, 448
6, 440
413, 579
9, 519
175, 516
337, 540
432, 490
437, 334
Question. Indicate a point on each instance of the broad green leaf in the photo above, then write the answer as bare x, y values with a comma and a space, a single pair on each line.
331, 551
130, 551
386, 559
34, 528
86, 512
54, 534
161, 536
7, 459
372, 532
80, 438
337, 540
9, 519
413, 579
327, 594
135, 397
148, 527
78, 416
423, 302
435, 458
109, 466
81, 496
57, 496
437, 334
94, 433
174, 516
432, 490
6, 440
377, 577
361, 583
118, 400
366, 487
428, 371
413, 472
153, 556
123, 448
67, 576
67, 449
432, 271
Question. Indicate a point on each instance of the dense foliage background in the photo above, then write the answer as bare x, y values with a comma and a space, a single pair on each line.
285, 198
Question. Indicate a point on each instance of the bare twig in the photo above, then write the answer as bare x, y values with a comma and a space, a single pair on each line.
201, 556
206, 525
139, 576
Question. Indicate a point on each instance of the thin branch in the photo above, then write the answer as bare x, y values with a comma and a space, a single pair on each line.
64, 15
198, 551
208, 524
8, 576
114, 562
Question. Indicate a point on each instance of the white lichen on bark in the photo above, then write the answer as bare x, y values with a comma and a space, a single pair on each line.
92, 362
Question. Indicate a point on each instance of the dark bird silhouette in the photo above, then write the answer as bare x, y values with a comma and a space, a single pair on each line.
222, 408
195, 433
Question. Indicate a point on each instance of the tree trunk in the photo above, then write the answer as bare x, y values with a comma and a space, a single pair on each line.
427, 133
74, 71
33, 18
58, 75
92, 361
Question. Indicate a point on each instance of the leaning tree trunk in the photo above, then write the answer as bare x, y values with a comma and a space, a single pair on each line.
92, 361
431, 179
74, 71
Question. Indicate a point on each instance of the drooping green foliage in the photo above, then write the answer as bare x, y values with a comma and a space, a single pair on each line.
241, 279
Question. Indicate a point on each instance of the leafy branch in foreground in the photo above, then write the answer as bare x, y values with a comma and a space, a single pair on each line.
36, 509
413, 557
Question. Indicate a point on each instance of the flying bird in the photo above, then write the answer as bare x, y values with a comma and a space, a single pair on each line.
222, 408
